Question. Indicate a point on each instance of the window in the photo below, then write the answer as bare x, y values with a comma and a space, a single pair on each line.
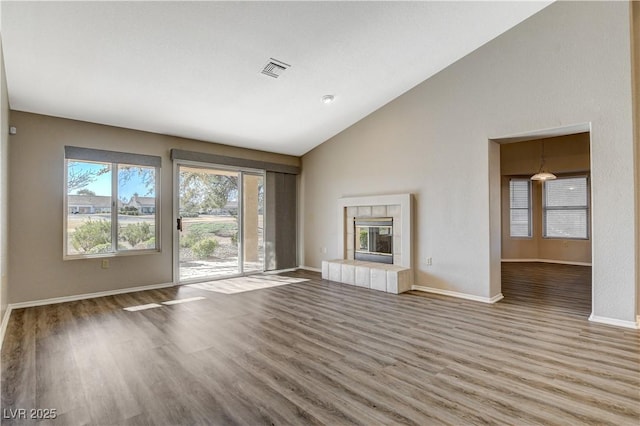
520, 207
111, 203
566, 208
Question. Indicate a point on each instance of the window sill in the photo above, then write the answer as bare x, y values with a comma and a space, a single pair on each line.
566, 238
111, 255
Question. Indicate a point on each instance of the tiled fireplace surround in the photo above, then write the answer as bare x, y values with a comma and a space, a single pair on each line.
395, 278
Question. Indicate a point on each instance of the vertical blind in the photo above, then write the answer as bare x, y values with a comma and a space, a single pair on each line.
520, 207
280, 227
566, 208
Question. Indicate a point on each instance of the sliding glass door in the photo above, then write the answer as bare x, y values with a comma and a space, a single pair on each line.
219, 226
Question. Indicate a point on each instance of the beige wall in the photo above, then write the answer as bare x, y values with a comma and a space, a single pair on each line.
36, 207
4, 187
563, 155
635, 39
569, 64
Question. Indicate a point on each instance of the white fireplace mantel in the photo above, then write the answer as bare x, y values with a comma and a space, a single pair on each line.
404, 201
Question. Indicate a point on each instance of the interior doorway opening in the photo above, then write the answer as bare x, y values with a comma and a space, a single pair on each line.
545, 226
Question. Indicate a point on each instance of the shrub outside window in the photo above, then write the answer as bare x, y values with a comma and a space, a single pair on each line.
111, 203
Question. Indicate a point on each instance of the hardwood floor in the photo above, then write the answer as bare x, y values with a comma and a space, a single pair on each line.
318, 352
547, 286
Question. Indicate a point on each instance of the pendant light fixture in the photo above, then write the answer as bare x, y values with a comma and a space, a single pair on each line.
543, 174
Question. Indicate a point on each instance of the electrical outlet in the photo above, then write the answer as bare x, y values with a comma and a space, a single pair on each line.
429, 261
324, 250
105, 263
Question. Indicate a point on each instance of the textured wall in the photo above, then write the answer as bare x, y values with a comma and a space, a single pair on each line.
4, 187
635, 36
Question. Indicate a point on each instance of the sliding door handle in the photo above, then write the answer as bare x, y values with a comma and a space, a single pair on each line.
179, 224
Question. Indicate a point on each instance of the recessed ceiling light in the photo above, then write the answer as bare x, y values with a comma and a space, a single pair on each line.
327, 99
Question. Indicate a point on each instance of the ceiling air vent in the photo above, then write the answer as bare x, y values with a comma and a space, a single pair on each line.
274, 68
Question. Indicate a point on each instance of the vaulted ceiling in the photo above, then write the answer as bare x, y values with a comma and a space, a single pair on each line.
193, 69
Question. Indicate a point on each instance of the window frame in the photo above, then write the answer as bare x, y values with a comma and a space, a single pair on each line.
586, 208
529, 207
114, 160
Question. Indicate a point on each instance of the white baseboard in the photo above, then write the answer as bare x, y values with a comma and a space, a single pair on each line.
73, 298
473, 297
612, 321
309, 268
561, 262
5, 323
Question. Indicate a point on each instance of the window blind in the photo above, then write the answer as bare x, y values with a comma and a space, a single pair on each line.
566, 208
520, 207
202, 157
100, 155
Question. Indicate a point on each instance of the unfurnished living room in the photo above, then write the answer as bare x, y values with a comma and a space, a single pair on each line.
330, 212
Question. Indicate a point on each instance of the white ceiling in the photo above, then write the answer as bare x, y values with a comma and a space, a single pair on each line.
192, 69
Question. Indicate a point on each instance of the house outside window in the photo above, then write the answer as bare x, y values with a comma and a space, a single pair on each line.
111, 203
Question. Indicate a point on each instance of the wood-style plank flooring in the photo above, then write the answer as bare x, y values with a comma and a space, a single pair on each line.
318, 352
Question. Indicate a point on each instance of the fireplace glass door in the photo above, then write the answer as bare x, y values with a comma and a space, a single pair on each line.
374, 239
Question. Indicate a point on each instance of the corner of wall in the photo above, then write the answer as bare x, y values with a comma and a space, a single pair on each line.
4, 187
495, 231
300, 220
635, 83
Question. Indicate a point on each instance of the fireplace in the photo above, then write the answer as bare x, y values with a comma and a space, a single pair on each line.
395, 209
373, 239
